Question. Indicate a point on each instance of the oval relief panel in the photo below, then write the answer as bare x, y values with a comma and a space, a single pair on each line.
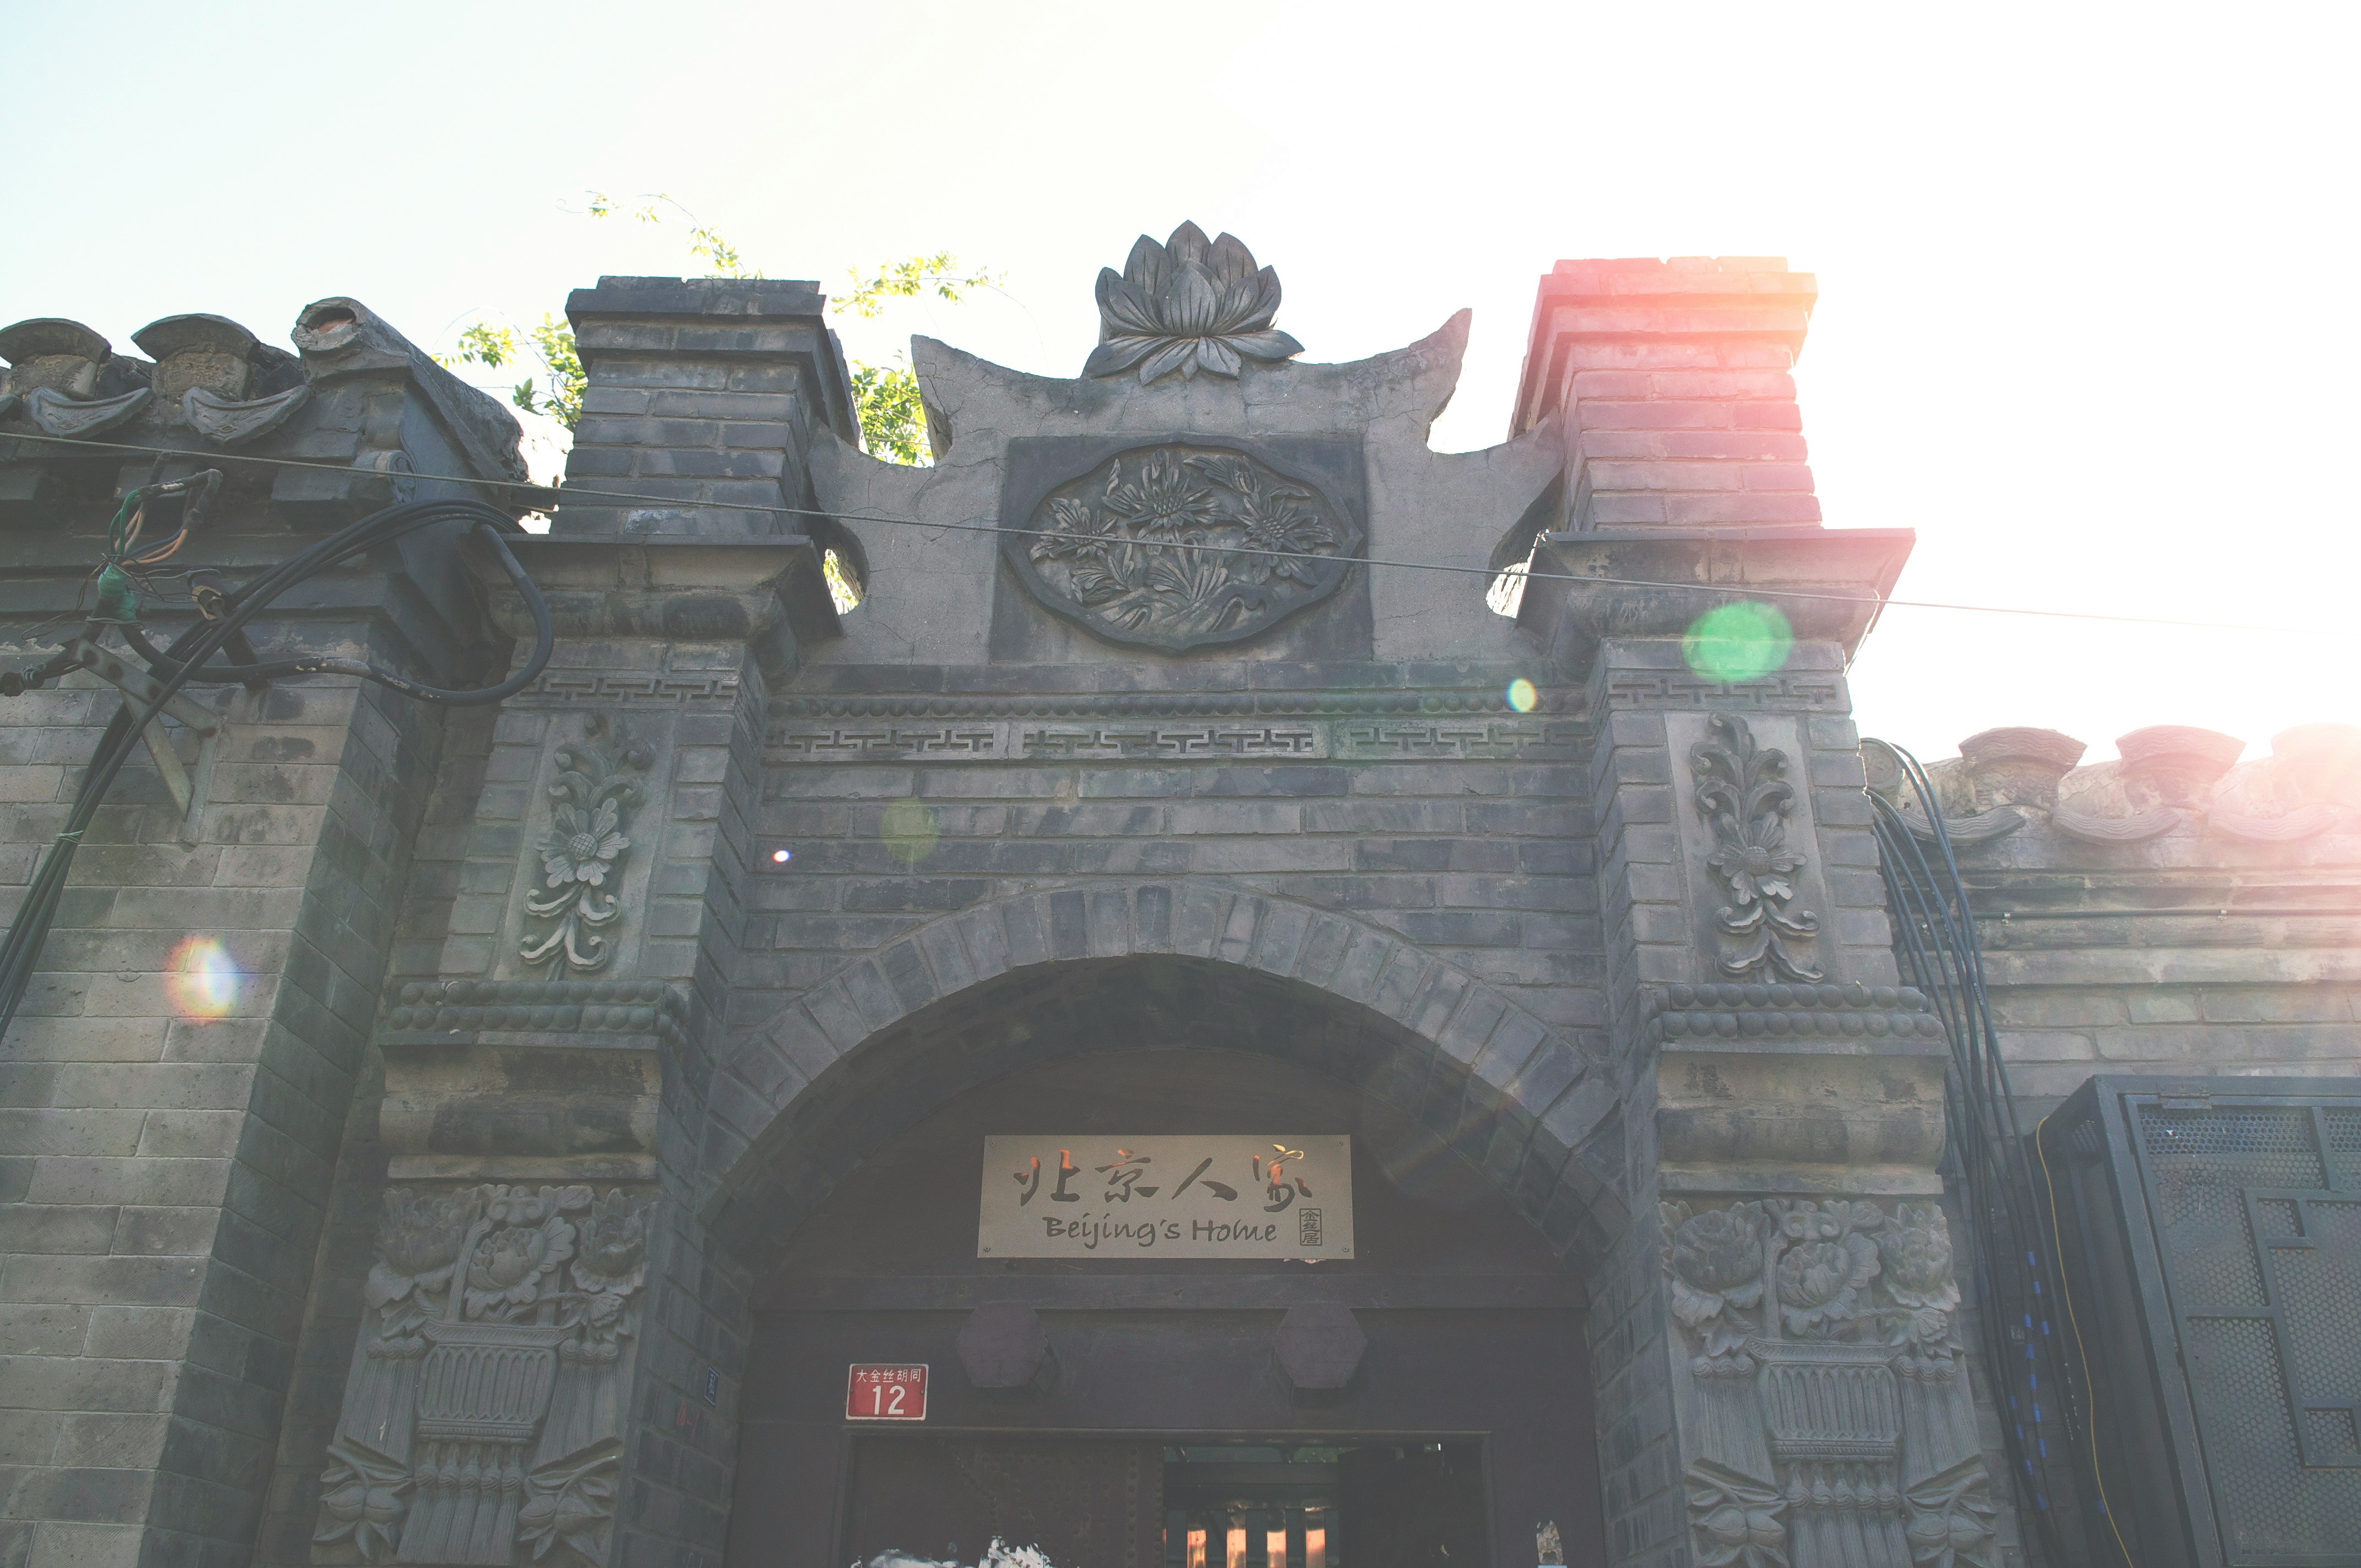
1179, 546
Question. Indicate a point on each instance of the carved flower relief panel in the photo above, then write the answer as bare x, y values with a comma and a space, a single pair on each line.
1186, 544
1831, 1419
482, 1419
593, 824
1750, 849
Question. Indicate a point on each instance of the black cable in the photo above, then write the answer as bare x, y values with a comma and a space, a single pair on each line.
1724, 590
192, 651
2038, 1384
235, 674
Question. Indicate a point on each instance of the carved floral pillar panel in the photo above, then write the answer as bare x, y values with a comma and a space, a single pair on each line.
1782, 1380
1821, 1409
537, 1302
483, 1419
1826, 1417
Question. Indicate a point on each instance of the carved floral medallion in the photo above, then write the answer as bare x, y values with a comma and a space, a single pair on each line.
1179, 546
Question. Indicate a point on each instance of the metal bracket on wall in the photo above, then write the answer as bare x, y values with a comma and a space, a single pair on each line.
189, 790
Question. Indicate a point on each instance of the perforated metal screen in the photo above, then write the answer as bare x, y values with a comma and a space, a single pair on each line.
2244, 1207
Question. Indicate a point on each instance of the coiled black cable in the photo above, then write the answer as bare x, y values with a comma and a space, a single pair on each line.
2035, 1382
188, 659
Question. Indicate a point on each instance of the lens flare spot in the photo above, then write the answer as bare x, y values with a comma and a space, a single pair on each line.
1737, 643
781, 857
201, 979
1522, 696
909, 830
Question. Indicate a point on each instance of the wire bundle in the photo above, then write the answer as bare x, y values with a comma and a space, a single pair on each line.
2014, 1267
186, 662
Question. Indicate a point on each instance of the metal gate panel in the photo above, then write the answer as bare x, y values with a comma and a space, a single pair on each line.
2238, 1204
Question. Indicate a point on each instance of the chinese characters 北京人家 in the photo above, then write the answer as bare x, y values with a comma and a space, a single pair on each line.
1279, 1174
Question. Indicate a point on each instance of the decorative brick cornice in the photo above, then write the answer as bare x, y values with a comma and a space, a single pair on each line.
1226, 705
994, 740
1769, 1010
612, 1006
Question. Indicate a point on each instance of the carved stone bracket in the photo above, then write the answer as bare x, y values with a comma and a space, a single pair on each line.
1742, 793
482, 1422
1828, 1419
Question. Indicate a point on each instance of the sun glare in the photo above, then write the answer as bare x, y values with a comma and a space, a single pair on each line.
201, 979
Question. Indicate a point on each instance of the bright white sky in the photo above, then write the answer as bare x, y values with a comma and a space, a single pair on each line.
2088, 320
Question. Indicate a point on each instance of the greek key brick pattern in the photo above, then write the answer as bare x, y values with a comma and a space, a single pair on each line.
1349, 739
1792, 693
868, 743
1179, 741
591, 686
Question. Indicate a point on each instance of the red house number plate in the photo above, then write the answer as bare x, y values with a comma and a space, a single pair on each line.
876, 1391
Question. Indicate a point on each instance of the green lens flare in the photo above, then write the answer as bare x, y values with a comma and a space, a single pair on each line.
909, 830
1521, 694
1737, 643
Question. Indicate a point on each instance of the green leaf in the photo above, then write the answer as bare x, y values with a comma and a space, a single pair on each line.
555, 341
484, 344
893, 419
910, 278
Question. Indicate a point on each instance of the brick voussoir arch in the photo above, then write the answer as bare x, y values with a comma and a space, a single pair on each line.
1531, 1108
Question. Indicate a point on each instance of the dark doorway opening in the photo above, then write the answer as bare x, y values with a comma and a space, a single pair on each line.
1462, 1435
1344, 1505
1117, 1503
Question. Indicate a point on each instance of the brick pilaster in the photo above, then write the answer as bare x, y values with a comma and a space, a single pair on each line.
1674, 380
702, 392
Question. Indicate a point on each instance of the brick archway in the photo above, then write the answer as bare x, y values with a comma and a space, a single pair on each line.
892, 1034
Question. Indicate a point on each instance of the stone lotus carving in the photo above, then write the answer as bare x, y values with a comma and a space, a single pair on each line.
1833, 1426
1187, 306
585, 844
1743, 794
1179, 546
482, 1418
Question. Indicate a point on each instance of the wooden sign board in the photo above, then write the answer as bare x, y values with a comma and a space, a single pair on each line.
886, 1391
1235, 1195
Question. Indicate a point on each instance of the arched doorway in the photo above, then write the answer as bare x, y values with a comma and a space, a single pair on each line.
1164, 1424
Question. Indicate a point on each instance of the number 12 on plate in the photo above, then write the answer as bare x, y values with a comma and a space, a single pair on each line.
886, 1391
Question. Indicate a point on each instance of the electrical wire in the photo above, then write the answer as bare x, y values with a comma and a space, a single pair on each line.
2074, 1323
188, 657
2013, 1266
577, 492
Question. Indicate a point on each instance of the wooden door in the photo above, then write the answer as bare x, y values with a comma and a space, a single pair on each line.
1416, 1506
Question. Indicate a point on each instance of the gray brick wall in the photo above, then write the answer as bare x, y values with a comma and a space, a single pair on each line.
1478, 860
167, 1172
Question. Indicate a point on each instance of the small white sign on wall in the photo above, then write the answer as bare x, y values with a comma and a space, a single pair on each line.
1230, 1195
